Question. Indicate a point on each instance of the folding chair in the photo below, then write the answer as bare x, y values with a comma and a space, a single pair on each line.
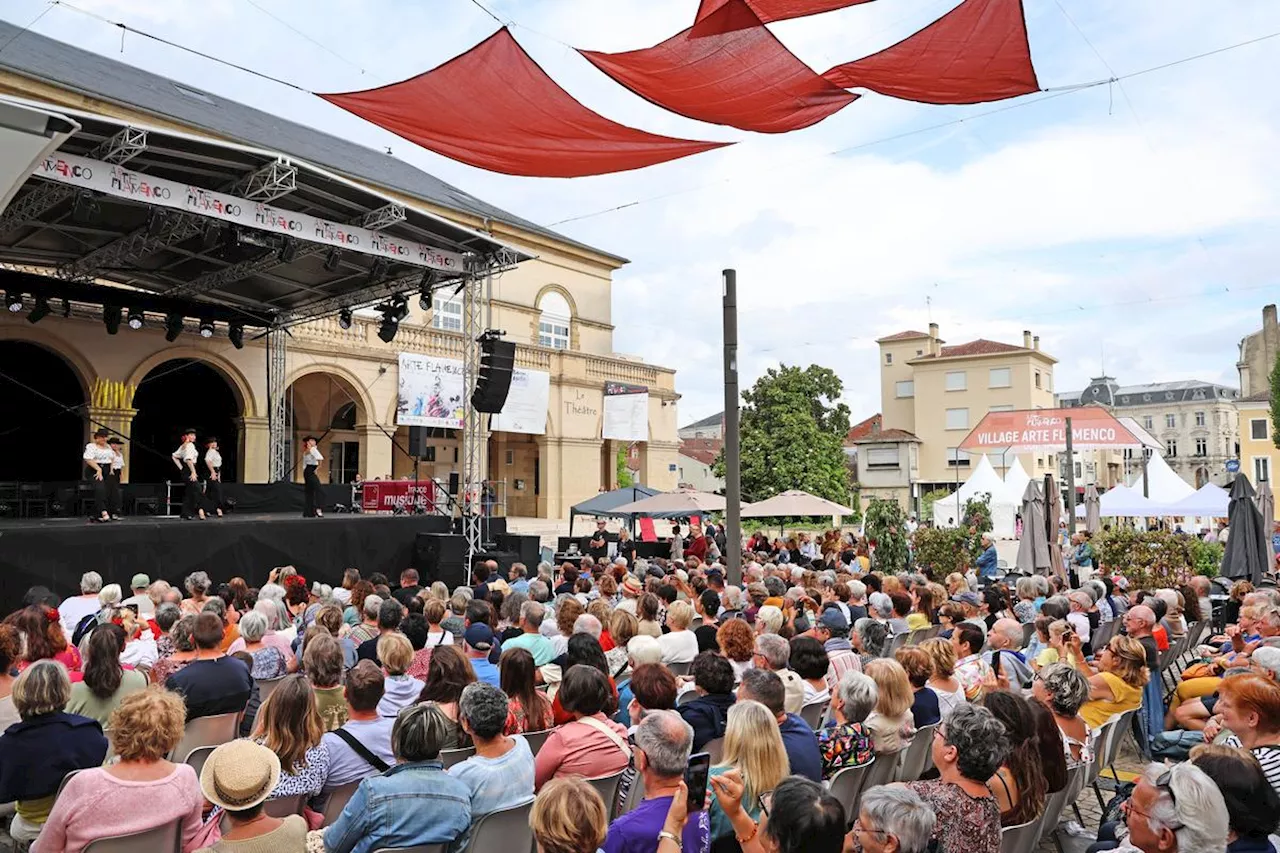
206, 731
337, 801
848, 784
502, 830
1020, 838
197, 757
536, 739
1109, 747
916, 754
267, 686
451, 757
1054, 806
162, 839
607, 787
814, 712
679, 668
882, 773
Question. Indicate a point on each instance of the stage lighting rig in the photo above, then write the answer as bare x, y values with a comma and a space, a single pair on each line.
136, 319
111, 318
172, 327
13, 301
86, 208
344, 318
379, 270
332, 260
235, 332
206, 328
288, 251
40, 311
387, 328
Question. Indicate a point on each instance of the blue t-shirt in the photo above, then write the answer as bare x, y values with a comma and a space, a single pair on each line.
925, 710
637, 830
497, 783
801, 745
486, 671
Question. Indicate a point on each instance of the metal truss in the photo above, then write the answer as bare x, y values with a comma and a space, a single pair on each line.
274, 180
474, 435
277, 411
387, 215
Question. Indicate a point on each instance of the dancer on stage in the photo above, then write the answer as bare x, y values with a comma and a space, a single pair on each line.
97, 460
213, 477
185, 458
115, 497
311, 460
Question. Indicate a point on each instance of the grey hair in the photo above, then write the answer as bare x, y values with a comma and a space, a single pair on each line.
533, 612
440, 590
197, 581
156, 591
873, 636
1026, 587
183, 633
1042, 584
90, 582
167, 614
544, 570
1271, 616
641, 566
510, 610
981, 741
270, 610
901, 813
1267, 657
587, 624
857, 590
253, 627
110, 595
643, 649
882, 603
539, 591
1011, 629
459, 600
372, 604
775, 649
271, 592
215, 605
484, 707
733, 598
419, 732
858, 694
1059, 600
1198, 819
770, 618
1095, 588
667, 741
1067, 688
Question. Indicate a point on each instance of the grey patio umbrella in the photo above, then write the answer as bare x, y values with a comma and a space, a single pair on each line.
1247, 552
1033, 550
1092, 509
1053, 518
1267, 508
674, 504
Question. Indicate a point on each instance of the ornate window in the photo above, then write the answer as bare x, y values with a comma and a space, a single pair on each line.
554, 321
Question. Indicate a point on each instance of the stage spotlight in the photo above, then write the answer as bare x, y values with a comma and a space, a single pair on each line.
332, 260
206, 328
379, 270
236, 333
136, 319
400, 307
156, 221
390, 323
86, 208
39, 312
13, 299
288, 251
344, 318
424, 300
172, 327
111, 318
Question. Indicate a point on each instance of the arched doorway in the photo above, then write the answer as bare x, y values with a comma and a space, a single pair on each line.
43, 433
175, 395
328, 406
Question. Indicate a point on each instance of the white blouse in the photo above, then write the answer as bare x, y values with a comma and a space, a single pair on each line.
117, 461
312, 457
94, 453
186, 453
213, 458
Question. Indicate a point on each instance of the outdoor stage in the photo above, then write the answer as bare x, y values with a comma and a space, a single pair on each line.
55, 552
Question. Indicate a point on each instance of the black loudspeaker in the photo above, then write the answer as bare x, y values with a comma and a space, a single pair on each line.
527, 547
455, 483
441, 557
497, 358
418, 441
504, 559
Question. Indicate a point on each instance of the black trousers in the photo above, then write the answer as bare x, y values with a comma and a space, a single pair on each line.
190, 496
212, 494
99, 491
115, 497
310, 491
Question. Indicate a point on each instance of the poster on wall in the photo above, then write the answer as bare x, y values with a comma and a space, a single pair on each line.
626, 412
526, 408
431, 391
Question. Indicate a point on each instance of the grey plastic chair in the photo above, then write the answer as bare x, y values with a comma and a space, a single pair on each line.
285, 806
814, 712
197, 757
679, 668
506, 830
206, 731
847, 787
162, 839
267, 686
337, 801
607, 787
1020, 838
883, 770
1056, 803
916, 754
536, 739
451, 757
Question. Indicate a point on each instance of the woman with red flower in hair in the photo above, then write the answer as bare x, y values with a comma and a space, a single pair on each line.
44, 639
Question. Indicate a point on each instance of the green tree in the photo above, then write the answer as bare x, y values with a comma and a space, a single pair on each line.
792, 434
1275, 402
885, 526
624, 474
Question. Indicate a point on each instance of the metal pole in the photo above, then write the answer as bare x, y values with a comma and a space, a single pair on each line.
732, 472
1146, 482
1071, 481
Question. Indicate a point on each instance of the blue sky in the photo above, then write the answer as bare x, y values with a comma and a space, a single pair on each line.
1133, 223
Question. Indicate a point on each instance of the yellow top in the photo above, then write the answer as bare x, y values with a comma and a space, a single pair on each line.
1125, 697
917, 621
35, 811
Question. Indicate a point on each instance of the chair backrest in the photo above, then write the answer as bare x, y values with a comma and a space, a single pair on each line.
896, 643
1058, 801
685, 697
607, 787
451, 757
848, 784
915, 754
337, 801
162, 839
1020, 838
206, 731
882, 771
285, 806
1111, 747
635, 795
814, 712
506, 830
63, 784
714, 748
197, 757
536, 739
267, 686
1028, 631
679, 668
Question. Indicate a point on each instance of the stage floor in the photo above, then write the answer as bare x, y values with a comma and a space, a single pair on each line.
54, 552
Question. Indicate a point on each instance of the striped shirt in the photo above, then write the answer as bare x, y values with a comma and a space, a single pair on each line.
1268, 756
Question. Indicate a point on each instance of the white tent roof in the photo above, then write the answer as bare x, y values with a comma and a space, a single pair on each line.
1123, 501
1015, 482
983, 479
1163, 486
1208, 500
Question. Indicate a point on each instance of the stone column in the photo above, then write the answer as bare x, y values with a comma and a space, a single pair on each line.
376, 449
255, 450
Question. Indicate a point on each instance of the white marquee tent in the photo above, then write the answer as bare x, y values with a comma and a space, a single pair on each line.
1015, 482
1208, 500
1164, 487
984, 479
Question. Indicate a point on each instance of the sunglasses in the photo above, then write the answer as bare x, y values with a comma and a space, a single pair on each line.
1164, 782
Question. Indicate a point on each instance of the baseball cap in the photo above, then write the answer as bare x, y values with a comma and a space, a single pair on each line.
139, 581
479, 637
832, 617
970, 598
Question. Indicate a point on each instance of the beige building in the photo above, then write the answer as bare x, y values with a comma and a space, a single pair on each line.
1258, 454
937, 393
341, 382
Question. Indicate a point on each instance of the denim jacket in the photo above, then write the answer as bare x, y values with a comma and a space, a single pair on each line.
408, 805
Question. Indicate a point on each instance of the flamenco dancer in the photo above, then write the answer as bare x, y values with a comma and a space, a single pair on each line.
185, 459
213, 475
311, 460
98, 457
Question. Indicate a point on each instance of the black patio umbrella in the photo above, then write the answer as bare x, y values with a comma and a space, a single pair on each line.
1247, 552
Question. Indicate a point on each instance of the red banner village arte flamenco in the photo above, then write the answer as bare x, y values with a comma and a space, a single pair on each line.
1046, 429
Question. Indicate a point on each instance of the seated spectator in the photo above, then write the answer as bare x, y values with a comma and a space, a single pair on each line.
1177, 809
289, 725
140, 646
707, 606
708, 713
182, 639
531, 639
971, 670
1054, 754
569, 816
415, 802
738, 644
400, 689
622, 627
500, 774
1115, 686
925, 709
1252, 804
353, 612
679, 645
362, 746
798, 738
1063, 690
528, 710
591, 744
414, 628
106, 683
846, 741
1019, 783
641, 649
434, 611
968, 748
663, 743
269, 662
477, 643
774, 653
448, 674
868, 639
752, 748
47, 744
141, 791
322, 661
893, 819
390, 613
890, 723
800, 816
583, 649
652, 688
809, 661
239, 777
214, 683
1005, 637
367, 627
77, 607
1249, 705
44, 639
10, 649
276, 635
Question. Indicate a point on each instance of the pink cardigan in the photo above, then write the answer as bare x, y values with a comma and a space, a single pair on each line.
578, 748
96, 805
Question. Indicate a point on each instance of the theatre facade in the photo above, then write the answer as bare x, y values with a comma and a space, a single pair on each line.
342, 380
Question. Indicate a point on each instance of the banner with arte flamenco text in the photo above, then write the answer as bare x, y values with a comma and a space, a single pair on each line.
432, 391
626, 412
527, 402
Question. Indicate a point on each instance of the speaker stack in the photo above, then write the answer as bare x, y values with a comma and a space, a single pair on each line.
441, 557
526, 548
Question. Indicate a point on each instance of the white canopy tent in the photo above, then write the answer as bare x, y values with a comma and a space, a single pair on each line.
1122, 501
984, 480
1207, 501
1015, 482
1164, 487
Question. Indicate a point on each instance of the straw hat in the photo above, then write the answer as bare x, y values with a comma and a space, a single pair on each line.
239, 775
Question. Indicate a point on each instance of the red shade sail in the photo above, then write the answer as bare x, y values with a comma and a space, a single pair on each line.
781, 10
727, 69
493, 107
976, 52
